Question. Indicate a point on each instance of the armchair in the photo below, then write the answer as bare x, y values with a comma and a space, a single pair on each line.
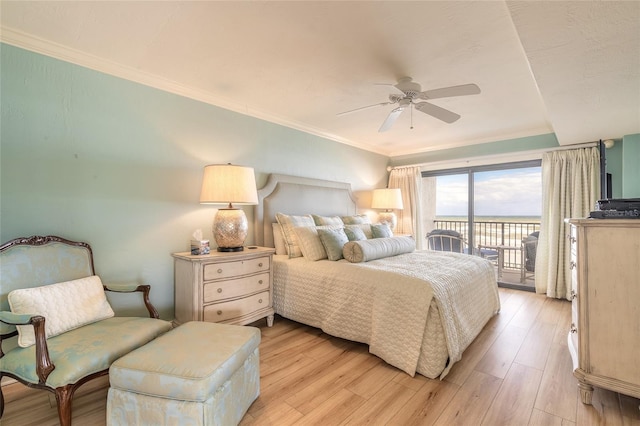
46, 349
446, 240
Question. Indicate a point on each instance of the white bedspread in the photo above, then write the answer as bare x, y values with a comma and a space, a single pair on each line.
417, 311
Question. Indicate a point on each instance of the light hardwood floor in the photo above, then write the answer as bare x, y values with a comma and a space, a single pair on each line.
516, 372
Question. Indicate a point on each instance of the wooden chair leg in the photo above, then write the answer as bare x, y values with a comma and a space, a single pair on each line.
1, 399
64, 395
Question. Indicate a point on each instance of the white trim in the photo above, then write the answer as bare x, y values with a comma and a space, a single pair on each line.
58, 51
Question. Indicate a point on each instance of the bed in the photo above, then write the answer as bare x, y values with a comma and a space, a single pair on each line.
418, 310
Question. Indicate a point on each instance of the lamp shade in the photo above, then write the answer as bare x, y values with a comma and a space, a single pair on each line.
227, 184
387, 198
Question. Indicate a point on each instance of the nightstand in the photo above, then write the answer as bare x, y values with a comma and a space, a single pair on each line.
229, 287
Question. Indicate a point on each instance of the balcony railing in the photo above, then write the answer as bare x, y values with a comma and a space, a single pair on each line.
506, 234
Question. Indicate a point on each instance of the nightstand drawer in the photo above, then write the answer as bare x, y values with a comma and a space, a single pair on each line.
236, 308
214, 271
220, 290
229, 287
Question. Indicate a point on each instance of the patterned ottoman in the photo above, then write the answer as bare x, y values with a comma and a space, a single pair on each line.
196, 374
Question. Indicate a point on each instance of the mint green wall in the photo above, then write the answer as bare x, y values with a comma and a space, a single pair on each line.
95, 158
490, 148
631, 166
614, 166
623, 162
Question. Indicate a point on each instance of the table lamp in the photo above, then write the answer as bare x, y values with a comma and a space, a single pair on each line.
229, 184
388, 199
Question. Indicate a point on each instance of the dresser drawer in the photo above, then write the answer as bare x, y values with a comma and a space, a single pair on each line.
236, 308
214, 271
220, 290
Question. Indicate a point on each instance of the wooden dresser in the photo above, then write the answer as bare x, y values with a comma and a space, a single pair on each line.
232, 287
604, 339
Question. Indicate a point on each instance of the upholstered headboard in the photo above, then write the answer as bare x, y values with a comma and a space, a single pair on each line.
298, 195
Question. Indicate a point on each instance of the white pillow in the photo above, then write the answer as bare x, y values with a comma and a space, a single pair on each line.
356, 219
278, 239
327, 220
288, 222
310, 243
64, 306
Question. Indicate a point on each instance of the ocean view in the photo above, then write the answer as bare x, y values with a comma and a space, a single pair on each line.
510, 219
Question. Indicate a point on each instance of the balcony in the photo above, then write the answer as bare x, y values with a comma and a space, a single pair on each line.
502, 241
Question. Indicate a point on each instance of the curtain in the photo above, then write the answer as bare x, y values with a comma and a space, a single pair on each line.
570, 189
409, 180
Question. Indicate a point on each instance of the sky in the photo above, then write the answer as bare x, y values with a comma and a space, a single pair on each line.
516, 192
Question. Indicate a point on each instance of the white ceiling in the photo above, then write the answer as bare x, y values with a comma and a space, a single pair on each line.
572, 68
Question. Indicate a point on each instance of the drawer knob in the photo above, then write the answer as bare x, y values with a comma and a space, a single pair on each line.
572, 265
573, 295
219, 290
573, 328
572, 240
259, 300
260, 265
219, 312
259, 281
220, 270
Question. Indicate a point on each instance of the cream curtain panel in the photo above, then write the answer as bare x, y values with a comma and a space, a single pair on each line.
409, 180
570, 189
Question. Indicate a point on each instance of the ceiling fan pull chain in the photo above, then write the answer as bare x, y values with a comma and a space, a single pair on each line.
411, 116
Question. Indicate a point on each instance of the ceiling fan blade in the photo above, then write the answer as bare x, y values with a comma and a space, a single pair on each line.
391, 118
364, 107
392, 86
437, 112
447, 92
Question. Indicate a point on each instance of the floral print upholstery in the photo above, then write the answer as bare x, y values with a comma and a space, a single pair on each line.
85, 350
198, 374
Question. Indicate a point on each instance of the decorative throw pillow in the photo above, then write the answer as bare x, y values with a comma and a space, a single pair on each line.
377, 248
65, 306
310, 244
354, 233
366, 229
288, 222
381, 230
356, 219
333, 240
278, 239
327, 220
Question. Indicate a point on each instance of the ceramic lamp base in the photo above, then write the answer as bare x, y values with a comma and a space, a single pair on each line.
230, 229
389, 218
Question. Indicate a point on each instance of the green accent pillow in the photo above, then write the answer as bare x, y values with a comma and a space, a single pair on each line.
327, 220
354, 233
333, 240
381, 230
356, 219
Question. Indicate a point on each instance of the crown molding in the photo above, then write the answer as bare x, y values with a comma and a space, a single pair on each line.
58, 51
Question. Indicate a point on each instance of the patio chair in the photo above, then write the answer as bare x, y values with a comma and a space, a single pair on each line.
529, 249
446, 240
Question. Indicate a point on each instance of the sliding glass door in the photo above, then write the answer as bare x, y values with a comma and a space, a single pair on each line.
494, 207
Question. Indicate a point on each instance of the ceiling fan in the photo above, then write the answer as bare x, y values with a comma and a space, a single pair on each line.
410, 92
